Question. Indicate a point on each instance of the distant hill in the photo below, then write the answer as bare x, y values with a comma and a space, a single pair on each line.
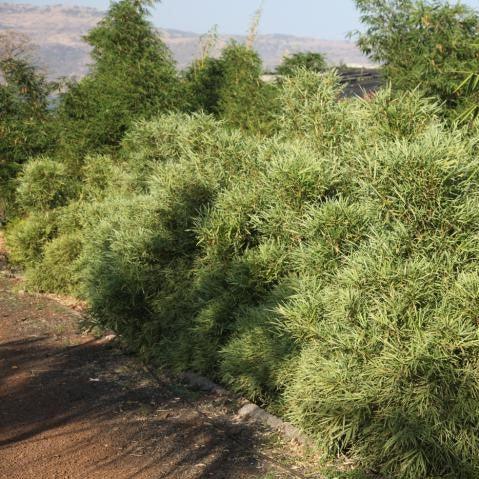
57, 30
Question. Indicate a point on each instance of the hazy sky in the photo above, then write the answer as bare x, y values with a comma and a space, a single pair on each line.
329, 19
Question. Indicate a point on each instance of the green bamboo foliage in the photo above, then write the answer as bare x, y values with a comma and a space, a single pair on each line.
328, 272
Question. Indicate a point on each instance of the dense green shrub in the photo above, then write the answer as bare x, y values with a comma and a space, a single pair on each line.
188, 163
27, 237
311, 110
103, 176
254, 359
166, 139
59, 269
329, 272
44, 184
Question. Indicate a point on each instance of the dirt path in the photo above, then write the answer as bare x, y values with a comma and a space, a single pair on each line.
72, 407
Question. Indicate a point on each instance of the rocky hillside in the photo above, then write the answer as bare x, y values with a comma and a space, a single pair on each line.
57, 30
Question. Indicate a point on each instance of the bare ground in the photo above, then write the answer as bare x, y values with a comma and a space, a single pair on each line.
75, 407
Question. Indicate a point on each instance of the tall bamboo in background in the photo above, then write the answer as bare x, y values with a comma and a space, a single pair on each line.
207, 44
253, 30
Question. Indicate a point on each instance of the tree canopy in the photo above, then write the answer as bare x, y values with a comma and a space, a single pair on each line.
25, 128
426, 43
132, 76
313, 61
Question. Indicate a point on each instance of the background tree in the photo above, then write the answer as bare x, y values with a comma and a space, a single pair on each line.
426, 43
245, 101
204, 79
469, 88
309, 60
230, 87
25, 120
132, 76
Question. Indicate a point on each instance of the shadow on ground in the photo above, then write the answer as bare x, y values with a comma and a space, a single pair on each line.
72, 407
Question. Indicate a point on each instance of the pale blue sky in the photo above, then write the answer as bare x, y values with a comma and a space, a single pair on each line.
329, 19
